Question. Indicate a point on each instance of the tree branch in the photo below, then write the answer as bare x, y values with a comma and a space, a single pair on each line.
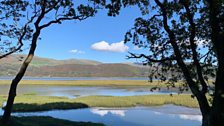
20, 40
194, 46
59, 20
52, 7
154, 16
202, 100
179, 59
150, 59
42, 14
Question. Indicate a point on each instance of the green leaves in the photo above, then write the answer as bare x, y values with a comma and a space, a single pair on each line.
86, 10
173, 28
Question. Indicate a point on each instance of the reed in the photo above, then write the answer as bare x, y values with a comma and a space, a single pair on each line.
25, 103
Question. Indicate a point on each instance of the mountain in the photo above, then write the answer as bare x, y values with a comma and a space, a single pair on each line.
45, 67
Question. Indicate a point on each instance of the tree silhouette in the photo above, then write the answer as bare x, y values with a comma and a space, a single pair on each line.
37, 16
11, 34
185, 40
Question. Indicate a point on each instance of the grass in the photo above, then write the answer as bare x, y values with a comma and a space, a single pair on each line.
26, 103
33, 102
31, 107
132, 101
88, 82
46, 121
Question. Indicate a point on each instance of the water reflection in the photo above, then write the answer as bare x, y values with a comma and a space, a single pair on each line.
78, 78
137, 116
191, 117
104, 112
76, 91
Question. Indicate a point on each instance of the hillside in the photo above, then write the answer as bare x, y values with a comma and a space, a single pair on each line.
45, 67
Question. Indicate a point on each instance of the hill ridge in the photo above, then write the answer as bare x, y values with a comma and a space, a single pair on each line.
45, 67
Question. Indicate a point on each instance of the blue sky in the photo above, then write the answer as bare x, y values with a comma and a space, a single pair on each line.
97, 38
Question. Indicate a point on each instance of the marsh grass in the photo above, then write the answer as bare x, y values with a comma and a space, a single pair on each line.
32, 107
88, 82
33, 102
131, 101
26, 103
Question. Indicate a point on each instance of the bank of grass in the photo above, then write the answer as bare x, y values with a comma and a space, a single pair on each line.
46, 121
88, 82
26, 103
132, 101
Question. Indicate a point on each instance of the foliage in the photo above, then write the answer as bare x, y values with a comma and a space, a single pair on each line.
184, 36
172, 21
17, 19
11, 33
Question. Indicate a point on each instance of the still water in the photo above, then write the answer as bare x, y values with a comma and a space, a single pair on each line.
167, 115
78, 78
77, 91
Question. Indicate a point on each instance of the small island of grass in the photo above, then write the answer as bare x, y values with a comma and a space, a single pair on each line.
27, 103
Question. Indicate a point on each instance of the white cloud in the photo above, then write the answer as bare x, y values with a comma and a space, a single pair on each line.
114, 47
75, 51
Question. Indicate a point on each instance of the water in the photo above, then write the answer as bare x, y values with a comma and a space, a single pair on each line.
78, 78
76, 91
167, 115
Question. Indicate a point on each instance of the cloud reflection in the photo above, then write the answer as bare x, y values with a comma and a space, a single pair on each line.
103, 112
183, 116
191, 117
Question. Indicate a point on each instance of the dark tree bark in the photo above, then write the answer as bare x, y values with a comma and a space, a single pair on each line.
12, 91
217, 113
16, 80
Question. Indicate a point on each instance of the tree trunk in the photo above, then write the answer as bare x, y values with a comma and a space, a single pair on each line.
13, 87
205, 120
11, 97
213, 119
217, 114
12, 91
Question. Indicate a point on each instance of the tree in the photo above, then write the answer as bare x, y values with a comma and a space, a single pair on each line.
38, 16
185, 40
11, 35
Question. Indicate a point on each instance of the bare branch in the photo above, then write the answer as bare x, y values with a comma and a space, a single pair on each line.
59, 20
154, 16
206, 55
132, 55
